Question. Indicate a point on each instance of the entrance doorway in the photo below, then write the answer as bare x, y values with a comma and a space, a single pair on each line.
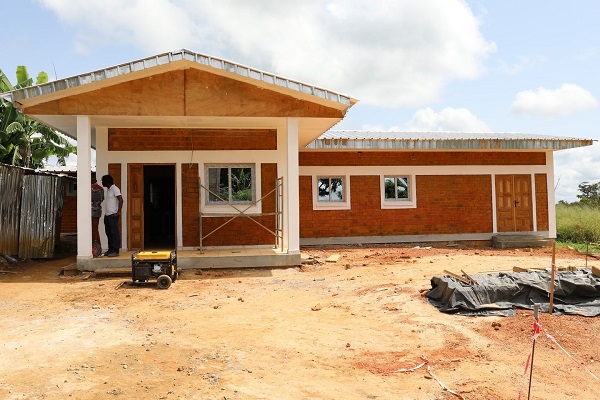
514, 211
151, 206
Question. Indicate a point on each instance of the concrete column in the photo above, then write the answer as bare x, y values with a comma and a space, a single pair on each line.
101, 137
551, 198
84, 196
291, 184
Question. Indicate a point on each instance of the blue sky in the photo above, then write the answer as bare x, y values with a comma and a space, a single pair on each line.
451, 65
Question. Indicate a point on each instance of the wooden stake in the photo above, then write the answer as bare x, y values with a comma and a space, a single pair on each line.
551, 309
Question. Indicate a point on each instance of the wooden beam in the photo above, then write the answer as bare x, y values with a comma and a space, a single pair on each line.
455, 276
469, 277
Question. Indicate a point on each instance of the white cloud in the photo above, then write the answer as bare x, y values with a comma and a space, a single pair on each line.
449, 119
389, 52
572, 167
567, 99
522, 64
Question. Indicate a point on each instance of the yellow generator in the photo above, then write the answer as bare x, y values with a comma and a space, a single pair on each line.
161, 265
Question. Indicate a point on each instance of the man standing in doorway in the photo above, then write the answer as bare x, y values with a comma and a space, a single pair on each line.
114, 203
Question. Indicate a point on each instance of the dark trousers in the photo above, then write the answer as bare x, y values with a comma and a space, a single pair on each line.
111, 227
95, 231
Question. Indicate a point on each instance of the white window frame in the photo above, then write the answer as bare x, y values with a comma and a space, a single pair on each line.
217, 207
411, 202
331, 205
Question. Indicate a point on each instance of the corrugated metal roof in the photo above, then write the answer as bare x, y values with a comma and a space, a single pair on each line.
60, 169
166, 58
374, 140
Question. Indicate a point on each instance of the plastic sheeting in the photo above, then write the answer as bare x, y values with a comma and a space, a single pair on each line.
575, 292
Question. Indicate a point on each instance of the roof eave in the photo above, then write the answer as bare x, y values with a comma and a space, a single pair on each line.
448, 144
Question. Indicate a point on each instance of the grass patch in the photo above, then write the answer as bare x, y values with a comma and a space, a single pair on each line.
577, 226
581, 247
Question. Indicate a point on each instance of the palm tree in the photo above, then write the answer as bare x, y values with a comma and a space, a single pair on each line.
24, 141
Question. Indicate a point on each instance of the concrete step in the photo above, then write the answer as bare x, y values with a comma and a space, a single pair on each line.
522, 244
519, 241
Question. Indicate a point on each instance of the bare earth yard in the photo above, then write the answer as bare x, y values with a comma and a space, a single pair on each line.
342, 330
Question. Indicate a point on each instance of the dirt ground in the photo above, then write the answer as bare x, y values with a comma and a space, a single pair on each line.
333, 330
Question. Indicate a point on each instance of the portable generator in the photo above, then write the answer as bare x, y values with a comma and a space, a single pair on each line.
161, 265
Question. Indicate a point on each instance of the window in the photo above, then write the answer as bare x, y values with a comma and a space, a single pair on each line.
330, 189
231, 183
396, 188
398, 191
331, 192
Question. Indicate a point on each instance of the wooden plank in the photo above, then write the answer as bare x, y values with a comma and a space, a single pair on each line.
596, 272
469, 277
333, 258
460, 278
519, 269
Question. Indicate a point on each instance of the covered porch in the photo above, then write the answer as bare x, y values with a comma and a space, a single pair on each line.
174, 122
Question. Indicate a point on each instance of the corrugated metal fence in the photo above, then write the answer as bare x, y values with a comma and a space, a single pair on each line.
11, 181
30, 210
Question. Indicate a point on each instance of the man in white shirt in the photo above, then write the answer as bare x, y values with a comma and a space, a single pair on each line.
112, 212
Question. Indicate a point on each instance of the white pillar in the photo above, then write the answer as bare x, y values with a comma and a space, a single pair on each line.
551, 199
291, 239
84, 196
101, 170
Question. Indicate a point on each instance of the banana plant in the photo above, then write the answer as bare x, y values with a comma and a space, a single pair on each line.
24, 141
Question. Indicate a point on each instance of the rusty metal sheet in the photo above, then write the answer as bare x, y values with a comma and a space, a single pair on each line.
41, 205
10, 203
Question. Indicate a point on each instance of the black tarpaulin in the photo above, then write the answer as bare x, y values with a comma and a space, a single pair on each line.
575, 292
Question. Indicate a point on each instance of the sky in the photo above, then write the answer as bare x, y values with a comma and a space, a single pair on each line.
414, 65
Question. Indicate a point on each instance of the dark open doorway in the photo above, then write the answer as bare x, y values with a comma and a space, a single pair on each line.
159, 207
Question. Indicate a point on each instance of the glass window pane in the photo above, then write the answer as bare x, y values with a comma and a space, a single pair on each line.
323, 189
337, 190
402, 187
218, 184
241, 184
389, 188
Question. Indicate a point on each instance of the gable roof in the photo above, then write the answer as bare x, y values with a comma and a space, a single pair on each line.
457, 141
164, 59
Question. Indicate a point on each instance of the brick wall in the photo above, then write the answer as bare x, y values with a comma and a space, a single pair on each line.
445, 205
132, 139
390, 158
541, 196
189, 204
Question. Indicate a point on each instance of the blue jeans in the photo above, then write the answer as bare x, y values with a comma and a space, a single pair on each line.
111, 227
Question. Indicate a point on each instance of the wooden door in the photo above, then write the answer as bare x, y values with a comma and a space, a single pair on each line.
135, 190
514, 210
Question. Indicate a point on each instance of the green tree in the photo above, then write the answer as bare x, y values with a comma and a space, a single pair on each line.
590, 194
24, 141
